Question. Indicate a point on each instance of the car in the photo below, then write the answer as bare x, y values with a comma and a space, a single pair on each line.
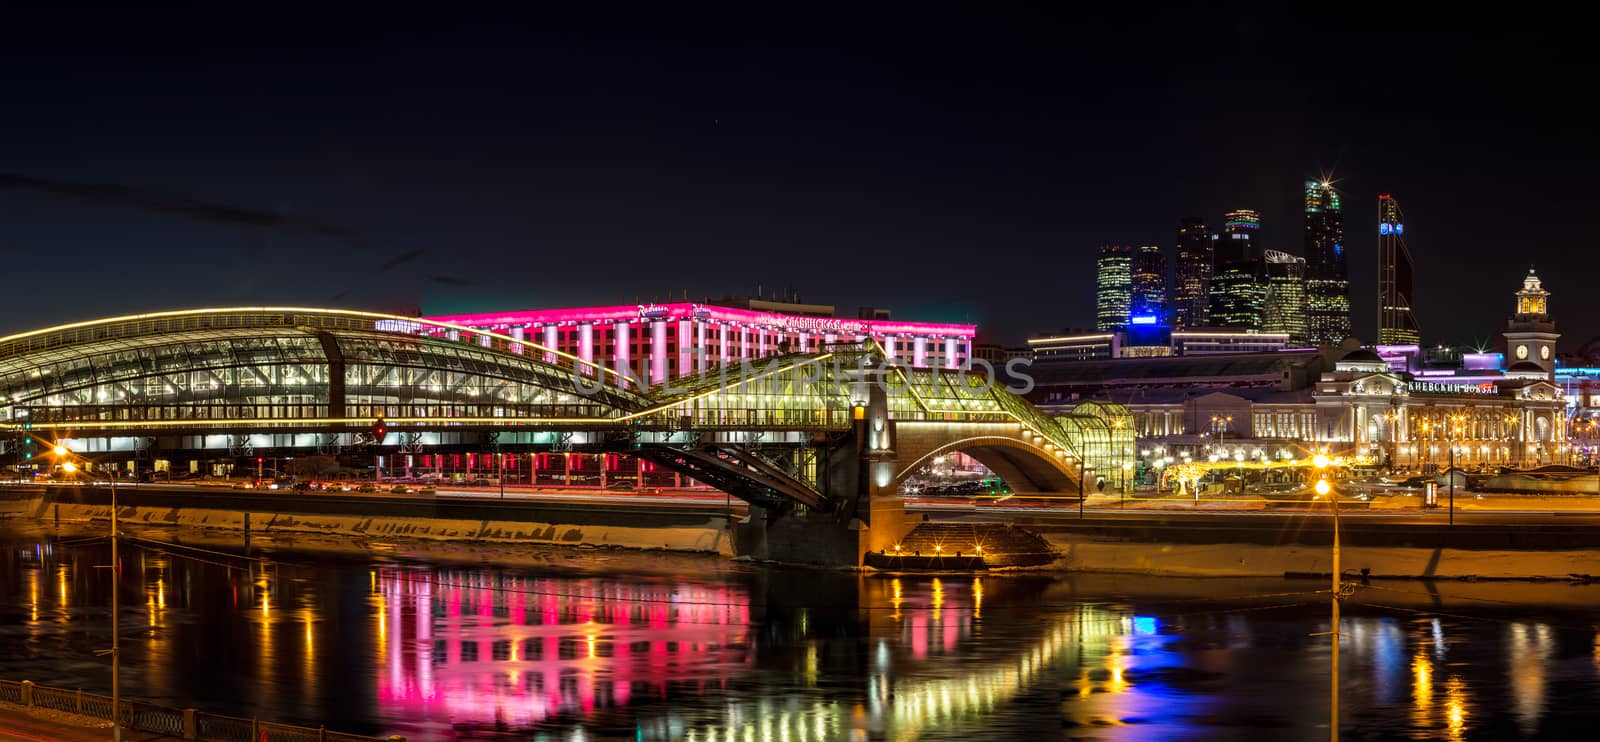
366, 487
622, 486
401, 489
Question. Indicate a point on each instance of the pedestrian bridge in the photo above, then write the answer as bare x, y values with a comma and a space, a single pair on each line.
779, 431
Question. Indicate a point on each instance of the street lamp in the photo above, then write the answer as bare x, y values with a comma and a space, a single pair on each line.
1325, 489
1122, 484
71, 467
1455, 438
1219, 424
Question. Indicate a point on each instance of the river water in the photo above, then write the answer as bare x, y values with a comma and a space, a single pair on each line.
521, 643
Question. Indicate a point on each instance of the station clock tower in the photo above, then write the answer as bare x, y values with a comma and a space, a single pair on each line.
1530, 334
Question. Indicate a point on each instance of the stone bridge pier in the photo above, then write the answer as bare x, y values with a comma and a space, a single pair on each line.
864, 478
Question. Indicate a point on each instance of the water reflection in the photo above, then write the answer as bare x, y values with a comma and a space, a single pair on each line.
493, 650
440, 652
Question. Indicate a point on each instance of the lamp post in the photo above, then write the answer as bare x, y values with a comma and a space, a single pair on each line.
1082, 472
1455, 431
1122, 485
1323, 488
116, 586
1219, 423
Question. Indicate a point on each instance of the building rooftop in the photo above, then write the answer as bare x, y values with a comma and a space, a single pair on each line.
1173, 369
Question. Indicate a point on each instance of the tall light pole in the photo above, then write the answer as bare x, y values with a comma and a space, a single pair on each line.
1323, 488
1122, 485
1455, 431
116, 613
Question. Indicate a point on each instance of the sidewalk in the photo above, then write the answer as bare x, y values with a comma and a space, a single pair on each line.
19, 724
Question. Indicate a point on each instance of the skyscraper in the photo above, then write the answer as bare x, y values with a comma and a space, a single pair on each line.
1284, 307
1193, 275
1327, 279
1113, 284
1236, 292
1150, 284
1396, 324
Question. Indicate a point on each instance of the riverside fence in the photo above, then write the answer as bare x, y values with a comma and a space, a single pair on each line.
188, 724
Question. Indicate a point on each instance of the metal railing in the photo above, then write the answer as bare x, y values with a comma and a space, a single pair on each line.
188, 724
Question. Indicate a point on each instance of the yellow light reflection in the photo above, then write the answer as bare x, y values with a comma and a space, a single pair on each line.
1456, 706
61, 584
33, 595
977, 597
938, 594
894, 585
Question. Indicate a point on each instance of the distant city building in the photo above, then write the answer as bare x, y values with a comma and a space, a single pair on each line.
1396, 273
1192, 275
998, 355
1237, 292
1155, 342
1149, 284
1327, 276
1283, 310
1113, 287
1387, 403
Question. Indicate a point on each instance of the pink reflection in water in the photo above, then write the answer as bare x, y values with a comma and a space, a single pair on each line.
497, 650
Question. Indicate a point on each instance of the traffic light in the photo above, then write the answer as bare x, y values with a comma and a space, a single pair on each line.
378, 431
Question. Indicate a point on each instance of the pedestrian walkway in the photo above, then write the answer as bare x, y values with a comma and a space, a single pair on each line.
19, 724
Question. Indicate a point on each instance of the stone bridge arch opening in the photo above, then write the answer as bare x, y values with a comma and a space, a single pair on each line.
1024, 465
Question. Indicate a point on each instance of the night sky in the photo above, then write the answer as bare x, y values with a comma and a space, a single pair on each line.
953, 165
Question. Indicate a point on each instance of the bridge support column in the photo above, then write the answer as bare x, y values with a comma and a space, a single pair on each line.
858, 475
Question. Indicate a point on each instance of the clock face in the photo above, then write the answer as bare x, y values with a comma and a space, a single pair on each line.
1522, 352
1544, 353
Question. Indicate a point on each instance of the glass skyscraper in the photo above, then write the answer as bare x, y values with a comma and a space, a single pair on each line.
1284, 308
1396, 274
1237, 292
1113, 287
1193, 275
1327, 278
1149, 284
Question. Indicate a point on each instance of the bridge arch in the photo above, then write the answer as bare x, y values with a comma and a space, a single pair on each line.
1023, 463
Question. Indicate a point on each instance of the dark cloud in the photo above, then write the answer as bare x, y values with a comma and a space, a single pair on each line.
110, 194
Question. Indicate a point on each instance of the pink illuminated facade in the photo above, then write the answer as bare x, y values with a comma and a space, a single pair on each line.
654, 341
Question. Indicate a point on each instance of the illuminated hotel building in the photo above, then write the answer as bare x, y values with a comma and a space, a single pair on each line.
655, 341
1284, 308
1236, 292
1193, 275
1149, 284
1113, 287
1396, 324
1327, 278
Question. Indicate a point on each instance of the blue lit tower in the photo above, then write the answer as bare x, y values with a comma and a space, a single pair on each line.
1396, 274
1327, 278
1149, 284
